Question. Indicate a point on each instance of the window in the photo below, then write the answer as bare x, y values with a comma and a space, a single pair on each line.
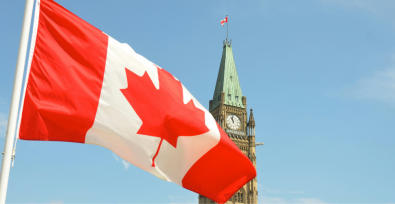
237, 98
239, 197
229, 97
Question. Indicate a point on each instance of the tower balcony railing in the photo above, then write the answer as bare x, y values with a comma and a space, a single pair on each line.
234, 132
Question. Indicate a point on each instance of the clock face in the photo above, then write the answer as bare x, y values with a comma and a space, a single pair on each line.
233, 122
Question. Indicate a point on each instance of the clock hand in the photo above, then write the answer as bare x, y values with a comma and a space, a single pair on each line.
232, 119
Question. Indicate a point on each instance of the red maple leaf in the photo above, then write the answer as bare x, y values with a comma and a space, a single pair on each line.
162, 110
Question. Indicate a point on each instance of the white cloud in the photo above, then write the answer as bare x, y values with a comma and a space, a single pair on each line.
378, 87
115, 156
310, 201
274, 191
278, 196
271, 200
295, 192
382, 8
125, 163
371, 5
277, 191
192, 199
276, 200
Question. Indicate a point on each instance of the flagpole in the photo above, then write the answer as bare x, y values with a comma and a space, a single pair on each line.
16, 96
227, 26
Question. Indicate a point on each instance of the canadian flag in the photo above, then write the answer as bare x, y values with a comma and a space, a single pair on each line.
84, 86
224, 21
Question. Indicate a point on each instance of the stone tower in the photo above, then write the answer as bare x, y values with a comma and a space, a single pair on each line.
229, 108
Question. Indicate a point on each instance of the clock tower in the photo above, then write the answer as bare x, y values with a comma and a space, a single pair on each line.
229, 108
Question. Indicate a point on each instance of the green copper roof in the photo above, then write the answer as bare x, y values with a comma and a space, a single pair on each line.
228, 81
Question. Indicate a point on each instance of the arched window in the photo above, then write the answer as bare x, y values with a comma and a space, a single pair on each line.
229, 97
238, 197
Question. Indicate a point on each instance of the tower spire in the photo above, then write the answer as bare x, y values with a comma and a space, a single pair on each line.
227, 81
251, 125
251, 118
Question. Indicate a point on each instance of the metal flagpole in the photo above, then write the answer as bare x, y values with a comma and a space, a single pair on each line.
227, 26
16, 96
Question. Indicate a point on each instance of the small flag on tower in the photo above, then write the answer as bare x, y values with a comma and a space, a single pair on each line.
224, 21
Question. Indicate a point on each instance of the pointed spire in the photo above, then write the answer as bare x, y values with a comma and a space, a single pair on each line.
251, 121
251, 116
227, 80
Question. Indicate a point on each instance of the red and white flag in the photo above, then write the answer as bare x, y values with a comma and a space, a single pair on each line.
84, 86
224, 21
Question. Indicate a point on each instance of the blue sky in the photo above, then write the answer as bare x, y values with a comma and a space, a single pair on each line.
320, 76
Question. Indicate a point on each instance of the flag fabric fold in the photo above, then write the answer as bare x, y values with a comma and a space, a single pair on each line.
84, 86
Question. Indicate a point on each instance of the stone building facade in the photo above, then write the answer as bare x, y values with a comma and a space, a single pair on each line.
229, 108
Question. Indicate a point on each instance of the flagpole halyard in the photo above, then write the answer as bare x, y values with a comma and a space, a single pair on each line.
15, 98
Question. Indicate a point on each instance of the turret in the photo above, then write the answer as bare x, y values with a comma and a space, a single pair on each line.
253, 195
251, 125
